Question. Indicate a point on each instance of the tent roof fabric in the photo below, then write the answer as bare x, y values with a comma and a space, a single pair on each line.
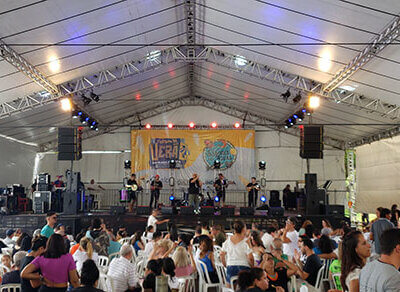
90, 36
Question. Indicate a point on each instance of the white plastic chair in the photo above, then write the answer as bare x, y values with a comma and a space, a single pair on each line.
103, 263
204, 278
221, 272
187, 284
334, 277
293, 284
140, 265
217, 252
124, 240
233, 281
102, 282
7, 250
10, 288
318, 282
113, 255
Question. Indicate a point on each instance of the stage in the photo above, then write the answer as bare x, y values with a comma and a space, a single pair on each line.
133, 222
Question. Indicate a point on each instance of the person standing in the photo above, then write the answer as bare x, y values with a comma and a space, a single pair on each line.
155, 187
220, 186
194, 191
95, 192
153, 221
285, 196
132, 186
395, 215
253, 187
290, 237
378, 227
48, 229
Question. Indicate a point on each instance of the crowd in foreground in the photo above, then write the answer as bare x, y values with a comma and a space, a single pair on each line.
247, 258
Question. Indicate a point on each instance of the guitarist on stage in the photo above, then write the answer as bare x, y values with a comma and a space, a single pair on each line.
220, 186
155, 187
132, 185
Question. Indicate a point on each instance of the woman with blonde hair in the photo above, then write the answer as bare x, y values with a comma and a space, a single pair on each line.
162, 248
85, 252
184, 261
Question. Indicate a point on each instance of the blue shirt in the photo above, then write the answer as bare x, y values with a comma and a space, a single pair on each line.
114, 247
47, 231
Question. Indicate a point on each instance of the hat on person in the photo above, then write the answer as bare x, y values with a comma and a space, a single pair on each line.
10, 232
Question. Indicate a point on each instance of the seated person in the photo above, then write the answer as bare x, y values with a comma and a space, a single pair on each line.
312, 265
277, 277
13, 276
89, 277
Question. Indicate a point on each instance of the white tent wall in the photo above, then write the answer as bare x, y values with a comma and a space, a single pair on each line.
17, 163
377, 172
279, 150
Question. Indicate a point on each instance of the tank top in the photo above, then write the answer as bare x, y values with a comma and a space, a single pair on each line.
208, 262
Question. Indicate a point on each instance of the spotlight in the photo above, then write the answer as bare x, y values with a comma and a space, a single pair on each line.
263, 199
313, 102
75, 114
87, 120
82, 118
127, 164
216, 199
94, 96
148, 126
286, 95
237, 125
171, 198
297, 98
86, 100
261, 165
303, 110
214, 125
295, 116
217, 164
191, 125
172, 163
93, 125
66, 104
170, 125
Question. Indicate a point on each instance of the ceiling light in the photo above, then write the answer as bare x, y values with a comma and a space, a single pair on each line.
94, 96
54, 64
148, 126
240, 61
214, 125
191, 125
324, 62
86, 100
170, 125
347, 87
237, 125
153, 55
313, 102
66, 104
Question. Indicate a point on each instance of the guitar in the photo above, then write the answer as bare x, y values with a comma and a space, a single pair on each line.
134, 187
218, 187
153, 188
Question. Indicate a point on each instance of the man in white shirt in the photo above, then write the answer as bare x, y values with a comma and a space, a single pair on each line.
9, 235
268, 237
150, 245
153, 221
122, 272
290, 237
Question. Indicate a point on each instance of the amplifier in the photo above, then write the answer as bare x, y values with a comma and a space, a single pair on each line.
276, 211
246, 211
41, 202
229, 211
207, 210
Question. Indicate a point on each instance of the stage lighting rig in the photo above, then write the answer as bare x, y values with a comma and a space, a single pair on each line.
127, 164
286, 95
94, 96
85, 100
216, 199
171, 198
297, 98
261, 165
172, 163
217, 164
263, 199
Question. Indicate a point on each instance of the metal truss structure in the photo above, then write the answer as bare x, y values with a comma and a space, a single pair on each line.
167, 106
351, 184
190, 10
25, 67
389, 34
156, 59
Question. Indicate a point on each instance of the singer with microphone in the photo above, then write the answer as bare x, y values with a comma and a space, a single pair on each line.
253, 187
155, 187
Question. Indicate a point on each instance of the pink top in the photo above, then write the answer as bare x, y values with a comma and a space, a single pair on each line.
55, 269
183, 271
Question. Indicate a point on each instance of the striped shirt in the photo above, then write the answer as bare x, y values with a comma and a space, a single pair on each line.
123, 275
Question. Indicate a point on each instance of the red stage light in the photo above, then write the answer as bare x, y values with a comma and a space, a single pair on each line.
191, 125
137, 97
148, 126
170, 125
214, 125
246, 95
237, 125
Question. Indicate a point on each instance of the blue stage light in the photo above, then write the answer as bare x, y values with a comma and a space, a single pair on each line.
304, 110
263, 199
216, 199
295, 116
171, 198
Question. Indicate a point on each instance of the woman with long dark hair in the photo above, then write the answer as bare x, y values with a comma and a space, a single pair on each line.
56, 265
395, 216
355, 252
257, 247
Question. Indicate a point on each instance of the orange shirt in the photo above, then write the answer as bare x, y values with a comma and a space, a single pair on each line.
74, 249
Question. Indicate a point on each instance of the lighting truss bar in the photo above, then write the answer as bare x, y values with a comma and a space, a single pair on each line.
25, 67
389, 34
309, 86
389, 133
190, 10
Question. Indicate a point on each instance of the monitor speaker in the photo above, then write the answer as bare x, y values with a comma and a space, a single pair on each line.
246, 211
70, 203
312, 142
276, 211
316, 202
207, 210
187, 210
228, 211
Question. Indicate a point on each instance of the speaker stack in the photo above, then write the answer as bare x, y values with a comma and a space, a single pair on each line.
312, 142
316, 198
69, 144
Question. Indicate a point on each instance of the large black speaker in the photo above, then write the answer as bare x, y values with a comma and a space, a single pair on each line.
228, 211
276, 211
312, 142
316, 202
207, 210
246, 211
335, 210
69, 144
311, 183
70, 203
274, 195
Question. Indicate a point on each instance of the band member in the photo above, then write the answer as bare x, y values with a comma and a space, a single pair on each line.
132, 185
220, 186
155, 187
253, 187
194, 191
95, 192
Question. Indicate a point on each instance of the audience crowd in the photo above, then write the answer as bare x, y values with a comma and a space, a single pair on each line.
246, 258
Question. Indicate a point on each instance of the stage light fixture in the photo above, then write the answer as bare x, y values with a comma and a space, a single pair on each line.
240, 61
148, 126
261, 165
214, 125
237, 125
191, 125
172, 163
263, 199
75, 114
127, 164
94, 96
54, 64
93, 125
85, 100
286, 95
217, 164
216, 199
171, 198
170, 125
297, 98
313, 102
66, 104
295, 116
303, 110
